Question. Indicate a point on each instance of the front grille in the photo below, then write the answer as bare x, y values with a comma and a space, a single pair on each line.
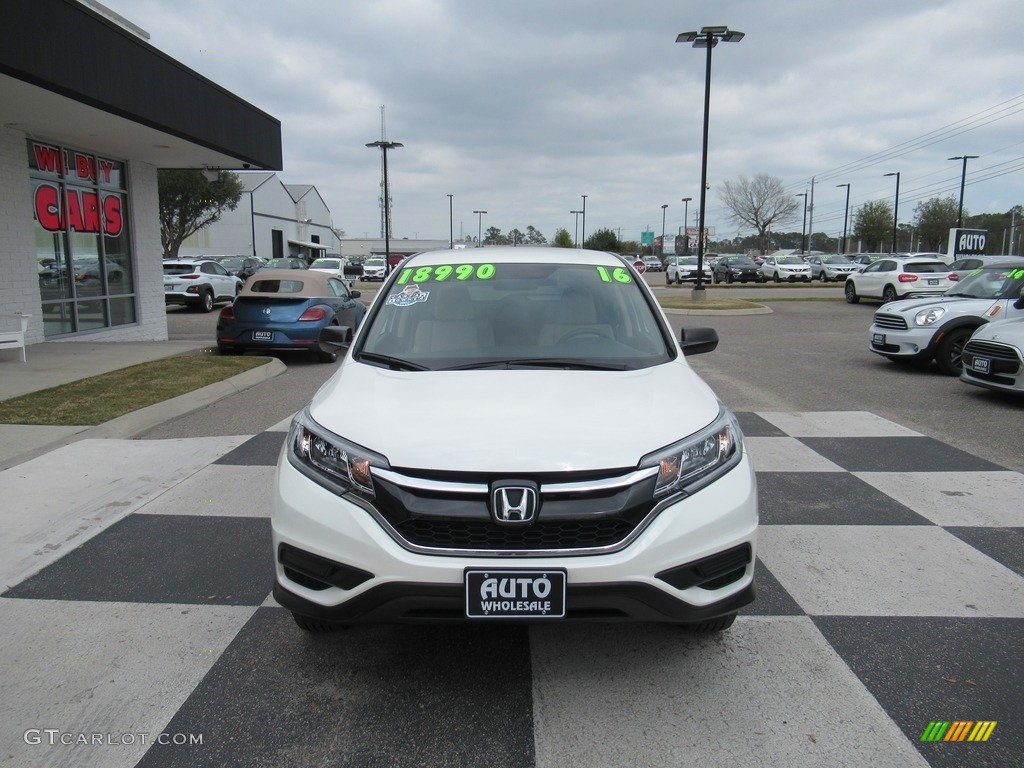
1004, 363
558, 534
891, 322
577, 512
992, 350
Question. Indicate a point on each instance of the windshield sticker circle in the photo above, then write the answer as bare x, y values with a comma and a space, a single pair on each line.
408, 296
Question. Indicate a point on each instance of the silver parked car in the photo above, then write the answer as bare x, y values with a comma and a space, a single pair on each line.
994, 356
833, 267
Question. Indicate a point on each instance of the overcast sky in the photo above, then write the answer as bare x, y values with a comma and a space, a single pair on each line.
520, 107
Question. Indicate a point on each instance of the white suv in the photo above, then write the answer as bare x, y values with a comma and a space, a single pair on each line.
897, 277
491, 470
199, 283
938, 328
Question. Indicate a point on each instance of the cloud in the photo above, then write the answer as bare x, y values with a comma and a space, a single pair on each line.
521, 107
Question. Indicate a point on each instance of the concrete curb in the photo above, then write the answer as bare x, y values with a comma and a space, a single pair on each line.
133, 424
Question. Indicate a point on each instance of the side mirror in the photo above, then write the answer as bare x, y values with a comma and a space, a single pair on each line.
695, 341
339, 336
354, 294
1019, 303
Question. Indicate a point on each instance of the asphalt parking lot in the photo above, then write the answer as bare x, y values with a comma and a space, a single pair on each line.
890, 595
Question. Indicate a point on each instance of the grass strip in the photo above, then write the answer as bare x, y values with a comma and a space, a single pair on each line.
97, 399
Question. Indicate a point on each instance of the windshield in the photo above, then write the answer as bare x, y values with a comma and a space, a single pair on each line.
991, 283
790, 260
514, 315
836, 260
373, 263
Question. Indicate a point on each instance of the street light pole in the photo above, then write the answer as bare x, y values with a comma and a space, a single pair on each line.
686, 223
664, 208
479, 228
895, 208
576, 231
963, 178
846, 214
708, 37
451, 223
584, 212
384, 147
803, 227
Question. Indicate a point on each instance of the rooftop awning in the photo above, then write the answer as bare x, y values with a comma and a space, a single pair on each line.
313, 246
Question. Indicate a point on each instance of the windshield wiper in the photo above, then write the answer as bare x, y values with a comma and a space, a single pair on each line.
394, 363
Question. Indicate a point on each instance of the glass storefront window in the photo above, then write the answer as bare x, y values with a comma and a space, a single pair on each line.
83, 244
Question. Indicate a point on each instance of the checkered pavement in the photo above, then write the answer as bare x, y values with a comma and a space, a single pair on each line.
137, 611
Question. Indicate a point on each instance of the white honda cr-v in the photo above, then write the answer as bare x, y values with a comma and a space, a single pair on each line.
481, 454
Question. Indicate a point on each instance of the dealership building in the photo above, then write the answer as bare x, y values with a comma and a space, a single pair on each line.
89, 111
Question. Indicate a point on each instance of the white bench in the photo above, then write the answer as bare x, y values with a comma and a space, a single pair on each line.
12, 332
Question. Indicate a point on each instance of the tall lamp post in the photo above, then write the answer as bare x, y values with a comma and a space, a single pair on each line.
664, 208
895, 208
451, 223
963, 178
479, 228
584, 212
708, 37
384, 147
686, 223
846, 214
576, 231
803, 228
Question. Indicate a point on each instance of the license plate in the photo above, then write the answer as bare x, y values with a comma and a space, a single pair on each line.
878, 339
262, 335
168, 287
981, 364
932, 281
512, 594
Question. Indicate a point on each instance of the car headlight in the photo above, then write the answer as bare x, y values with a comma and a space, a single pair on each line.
929, 316
698, 460
331, 461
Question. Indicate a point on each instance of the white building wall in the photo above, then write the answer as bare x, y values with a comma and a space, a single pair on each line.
19, 289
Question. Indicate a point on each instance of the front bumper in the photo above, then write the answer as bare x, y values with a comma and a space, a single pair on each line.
705, 544
911, 343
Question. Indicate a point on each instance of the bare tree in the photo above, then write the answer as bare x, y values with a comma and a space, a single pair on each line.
759, 202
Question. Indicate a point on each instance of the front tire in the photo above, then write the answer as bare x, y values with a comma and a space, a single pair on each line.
850, 292
949, 355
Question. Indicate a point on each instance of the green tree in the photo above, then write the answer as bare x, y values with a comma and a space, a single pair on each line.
563, 239
872, 223
189, 202
603, 240
515, 237
493, 236
533, 237
758, 202
933, 219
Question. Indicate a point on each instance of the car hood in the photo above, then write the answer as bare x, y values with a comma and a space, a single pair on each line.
514, 420
959, 304
1005, 331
